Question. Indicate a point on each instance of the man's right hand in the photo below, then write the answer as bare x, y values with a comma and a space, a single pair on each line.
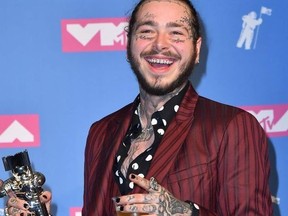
19, 207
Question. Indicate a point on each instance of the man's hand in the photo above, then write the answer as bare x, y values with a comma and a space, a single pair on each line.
19, 207
158, 201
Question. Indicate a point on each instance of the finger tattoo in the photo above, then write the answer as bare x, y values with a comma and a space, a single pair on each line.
150, 197
130, 197
133, 208
149, 208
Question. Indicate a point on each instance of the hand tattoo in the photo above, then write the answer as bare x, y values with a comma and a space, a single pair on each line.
169, 205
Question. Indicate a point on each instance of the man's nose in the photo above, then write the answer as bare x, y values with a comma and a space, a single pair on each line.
161, 42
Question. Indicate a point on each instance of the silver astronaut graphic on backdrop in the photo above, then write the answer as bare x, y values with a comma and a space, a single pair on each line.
251, 24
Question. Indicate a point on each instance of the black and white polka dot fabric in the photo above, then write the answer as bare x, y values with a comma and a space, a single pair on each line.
140, 165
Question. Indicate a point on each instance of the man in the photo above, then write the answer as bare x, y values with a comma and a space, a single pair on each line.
171, 151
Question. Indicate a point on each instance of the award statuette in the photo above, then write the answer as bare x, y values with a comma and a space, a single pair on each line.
25, 183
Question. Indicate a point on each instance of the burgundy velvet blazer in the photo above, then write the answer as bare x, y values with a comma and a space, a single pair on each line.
212, 154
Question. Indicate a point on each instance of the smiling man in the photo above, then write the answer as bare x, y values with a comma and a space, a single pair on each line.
171, 151
164, 46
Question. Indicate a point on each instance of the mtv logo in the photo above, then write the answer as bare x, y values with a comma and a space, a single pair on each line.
94, 34
19, 131
75, 211
273, 119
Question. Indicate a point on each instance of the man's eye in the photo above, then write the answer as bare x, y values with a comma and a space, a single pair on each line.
147, 31
177, 33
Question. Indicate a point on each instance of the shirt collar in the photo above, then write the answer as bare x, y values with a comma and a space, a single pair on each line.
165, 113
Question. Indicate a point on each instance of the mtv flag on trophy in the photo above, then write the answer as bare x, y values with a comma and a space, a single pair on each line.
267, 11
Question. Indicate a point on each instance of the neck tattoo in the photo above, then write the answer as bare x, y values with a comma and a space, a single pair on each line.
147, 132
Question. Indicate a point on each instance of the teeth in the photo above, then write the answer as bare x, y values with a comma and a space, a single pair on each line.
160, 61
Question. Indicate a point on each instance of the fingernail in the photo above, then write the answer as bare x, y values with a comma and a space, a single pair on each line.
120, 208
26, 205
116, 199
133, 176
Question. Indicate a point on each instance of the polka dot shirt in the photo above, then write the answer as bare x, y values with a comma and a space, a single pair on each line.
140, 165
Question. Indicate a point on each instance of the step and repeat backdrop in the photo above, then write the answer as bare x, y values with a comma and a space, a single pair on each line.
63, 66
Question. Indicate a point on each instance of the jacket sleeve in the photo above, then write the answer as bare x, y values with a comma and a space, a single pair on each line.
243, 169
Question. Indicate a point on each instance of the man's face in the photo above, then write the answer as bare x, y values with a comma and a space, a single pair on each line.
162, 52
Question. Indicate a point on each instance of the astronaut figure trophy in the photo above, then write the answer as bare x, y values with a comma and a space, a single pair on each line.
24, 183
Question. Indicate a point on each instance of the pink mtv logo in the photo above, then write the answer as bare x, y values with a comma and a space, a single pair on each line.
80, 35
19, 131
273, 118
76, 211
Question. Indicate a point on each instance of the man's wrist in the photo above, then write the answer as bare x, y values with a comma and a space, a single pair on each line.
194, 208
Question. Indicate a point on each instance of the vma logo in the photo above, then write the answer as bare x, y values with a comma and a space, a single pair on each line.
19, 131
94, 34
76, 211
273, 119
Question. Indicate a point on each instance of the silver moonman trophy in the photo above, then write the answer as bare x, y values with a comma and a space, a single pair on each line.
25, 183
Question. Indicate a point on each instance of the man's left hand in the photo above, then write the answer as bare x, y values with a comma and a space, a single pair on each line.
157, 200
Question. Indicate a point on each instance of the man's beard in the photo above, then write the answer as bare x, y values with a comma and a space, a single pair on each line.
185, 72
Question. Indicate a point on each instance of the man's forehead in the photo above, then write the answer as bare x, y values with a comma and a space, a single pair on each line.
170, 1
146, 14
180, 3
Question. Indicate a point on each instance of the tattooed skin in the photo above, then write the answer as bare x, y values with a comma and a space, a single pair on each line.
150, 197
130, 197
152, 105
149, 208
133, 208
158, 201
182, 30
137, 147
149, 15
169, 205
184, 20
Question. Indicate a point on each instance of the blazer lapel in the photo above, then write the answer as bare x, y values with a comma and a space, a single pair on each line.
117, 130
120, 126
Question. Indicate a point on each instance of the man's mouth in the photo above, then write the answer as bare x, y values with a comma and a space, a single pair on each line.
160, 62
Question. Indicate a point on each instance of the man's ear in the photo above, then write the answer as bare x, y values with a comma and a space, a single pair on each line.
198, 49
